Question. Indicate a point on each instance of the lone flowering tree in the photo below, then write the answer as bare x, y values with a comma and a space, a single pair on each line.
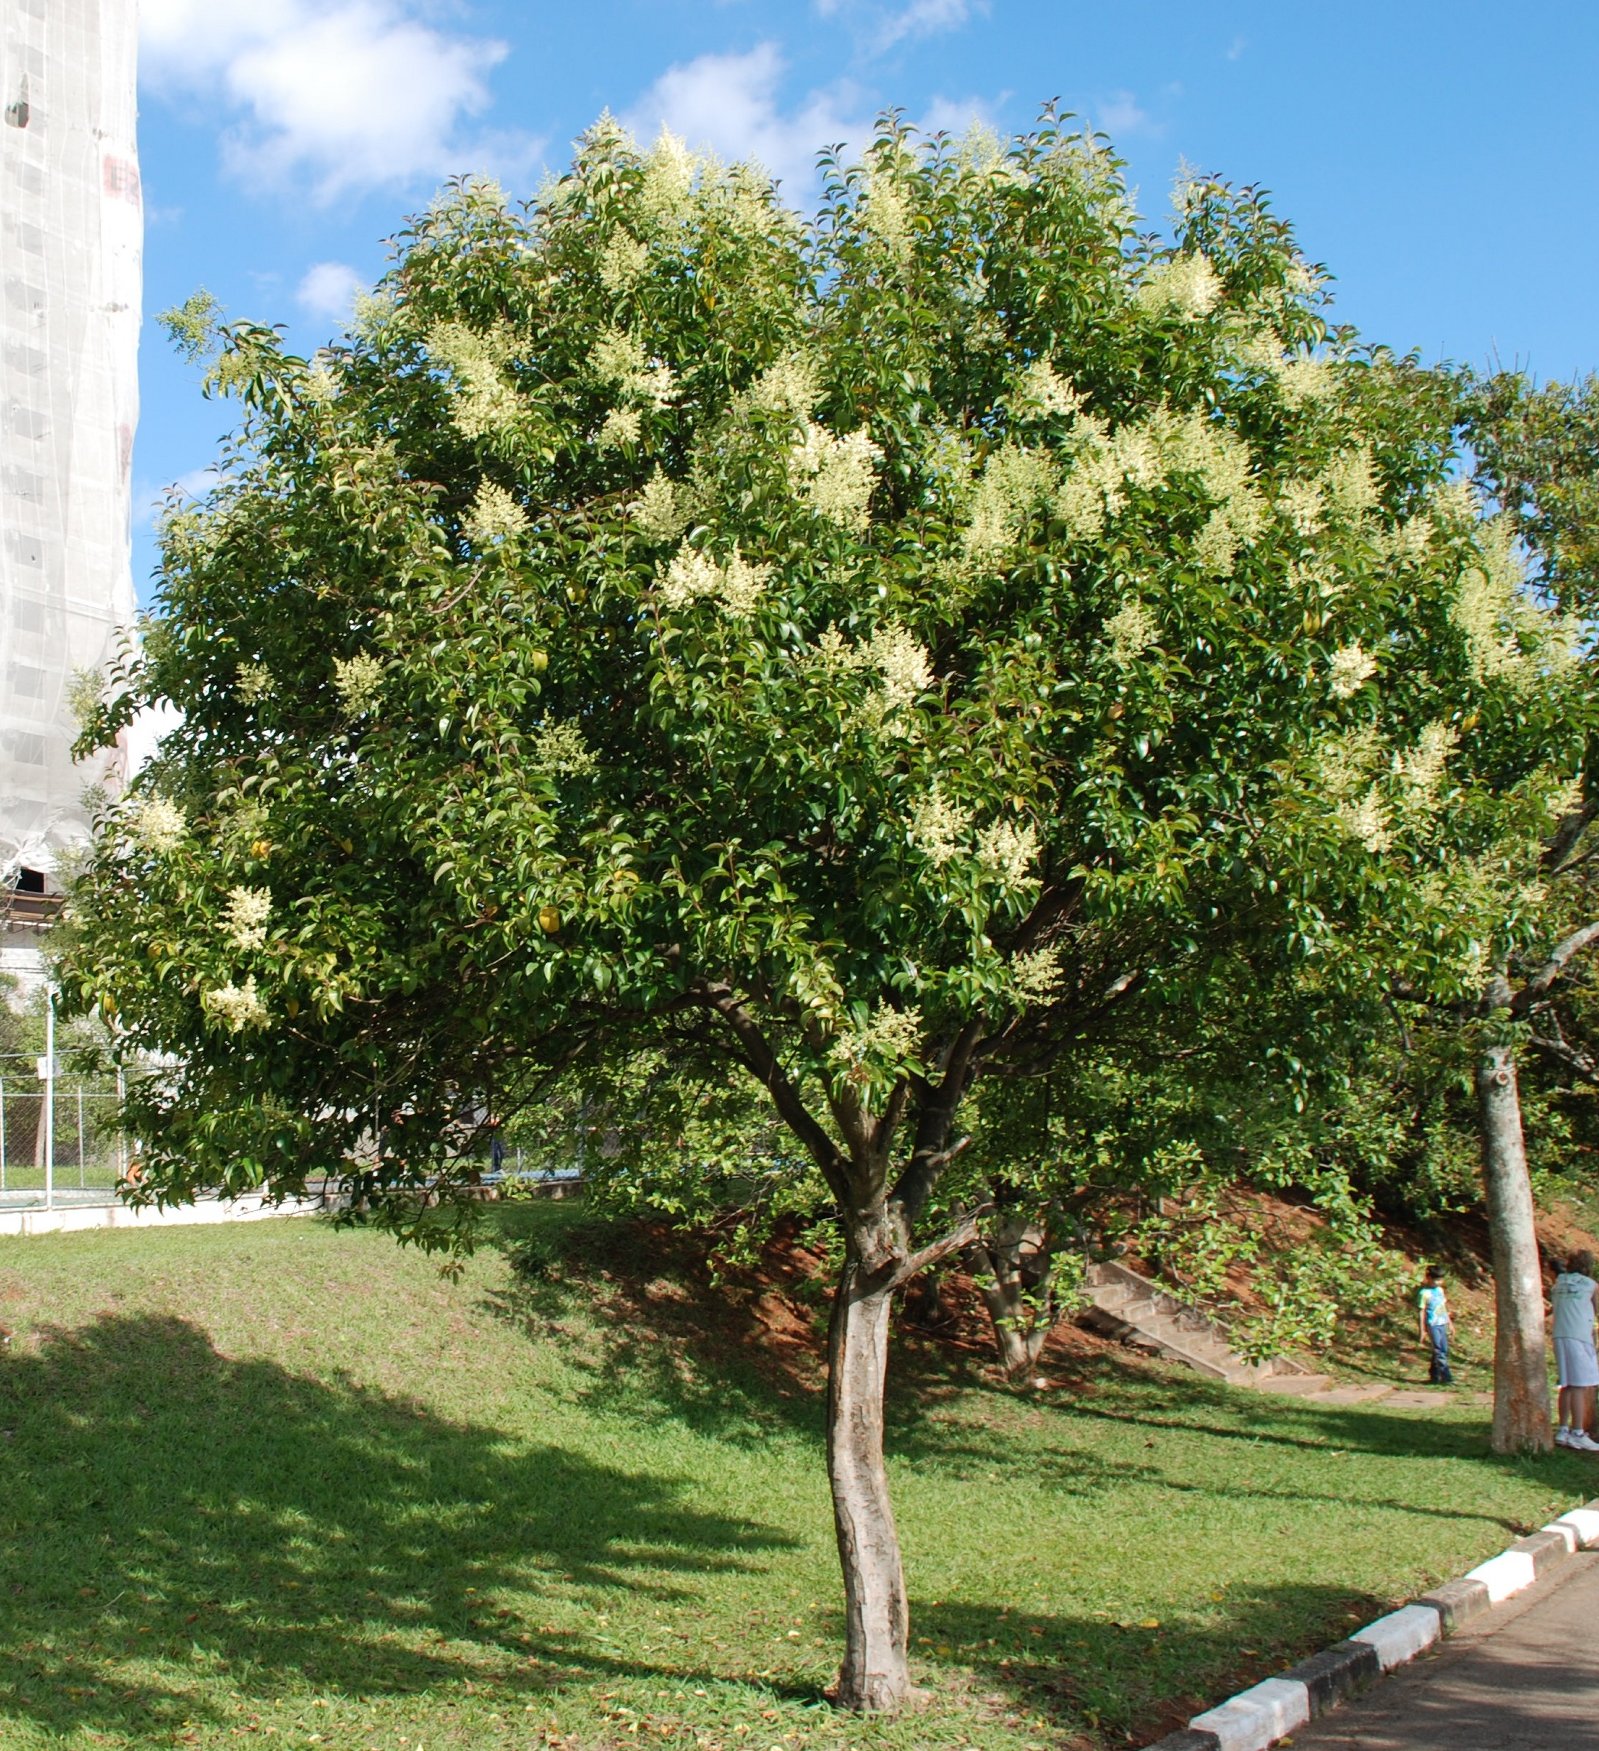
863, 649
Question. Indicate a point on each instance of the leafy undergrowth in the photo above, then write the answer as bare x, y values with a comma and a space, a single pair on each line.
277, 1485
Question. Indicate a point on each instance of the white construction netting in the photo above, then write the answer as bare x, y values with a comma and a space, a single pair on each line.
71, 229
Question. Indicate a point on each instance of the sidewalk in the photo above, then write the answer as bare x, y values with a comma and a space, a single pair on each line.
1523, 1678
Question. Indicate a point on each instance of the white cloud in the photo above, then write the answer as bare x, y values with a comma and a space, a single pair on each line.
957, 115
730, 105
922, 18
347, 94
328, 290
1121, 114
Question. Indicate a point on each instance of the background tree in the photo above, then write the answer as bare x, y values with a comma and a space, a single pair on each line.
852, 650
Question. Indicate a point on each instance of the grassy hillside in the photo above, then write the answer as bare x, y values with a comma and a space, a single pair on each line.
282, 1486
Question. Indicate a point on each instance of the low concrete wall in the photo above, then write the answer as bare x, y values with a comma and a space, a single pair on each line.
74, 1218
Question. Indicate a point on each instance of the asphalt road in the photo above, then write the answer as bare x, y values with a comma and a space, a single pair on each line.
1526, 1678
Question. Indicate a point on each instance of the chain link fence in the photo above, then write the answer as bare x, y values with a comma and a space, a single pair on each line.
60, 1142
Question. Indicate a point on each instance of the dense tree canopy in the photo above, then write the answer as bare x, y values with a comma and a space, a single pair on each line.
867, 651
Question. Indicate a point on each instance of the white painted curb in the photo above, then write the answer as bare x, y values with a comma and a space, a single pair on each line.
1402, 1634
1505, 1574
1583, 1524
1257, 1716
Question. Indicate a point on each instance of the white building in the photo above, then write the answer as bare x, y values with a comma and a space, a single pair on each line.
71, 230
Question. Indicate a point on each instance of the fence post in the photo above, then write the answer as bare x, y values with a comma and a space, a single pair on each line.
50, 1099
122, 1136
2, 1133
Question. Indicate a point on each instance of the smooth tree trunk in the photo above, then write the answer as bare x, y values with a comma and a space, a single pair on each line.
876, 1670
1521, 1379
1014, 1266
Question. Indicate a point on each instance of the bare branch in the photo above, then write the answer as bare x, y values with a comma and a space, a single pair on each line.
763, 1064
962, 1235
1575, 1060
1539, 984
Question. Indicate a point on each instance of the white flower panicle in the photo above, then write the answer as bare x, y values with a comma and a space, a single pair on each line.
1304, 379
319, 386
1184, 285
157, 824
1342, 764
1366, 821
495, 516
253, 683
885, 216
560, 748
1014, 482
357, 681
657, 513
1351, 668
621, 429
1043, 393
1008, 850
939, 826
245, 916
236, 1007
887, 1040
1036, 977
1132, 629
1351, 484
1302, 504
1506, 634
694, 575
904, 664
836, 475
623, 263
1422, 769
484, 401
789, 385
619, 359
666, 196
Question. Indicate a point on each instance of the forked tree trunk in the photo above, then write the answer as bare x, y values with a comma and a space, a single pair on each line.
876, 1670
1521, 1379
1014, 1265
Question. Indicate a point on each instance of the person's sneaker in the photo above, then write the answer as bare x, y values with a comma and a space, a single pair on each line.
1562, 1436
1582, 1441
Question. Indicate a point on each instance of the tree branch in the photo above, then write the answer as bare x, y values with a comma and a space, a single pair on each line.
963, 1234
1577, 1061
1538, 985
763, 1064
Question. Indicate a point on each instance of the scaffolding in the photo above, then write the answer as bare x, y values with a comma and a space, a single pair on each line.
71, 230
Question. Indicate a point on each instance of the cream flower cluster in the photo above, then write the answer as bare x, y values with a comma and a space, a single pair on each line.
357, 681
157, 824
789, 385
559, 748
1035, 977
836, 475
253, 683
623, 263
1422, 769
495, 516
1013, 483
658, 513
1044, 393
939, 826
693, 575
1132, 629
666, 194
1351, 668
888, 1038
245, 916
619, 359
886, 217
236, 1007
1008, 850
484, 401
1184, 285
1366, 821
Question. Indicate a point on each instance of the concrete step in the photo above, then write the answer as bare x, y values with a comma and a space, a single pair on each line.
1296, 1385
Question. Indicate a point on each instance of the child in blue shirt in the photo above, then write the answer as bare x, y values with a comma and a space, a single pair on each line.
1433, 1310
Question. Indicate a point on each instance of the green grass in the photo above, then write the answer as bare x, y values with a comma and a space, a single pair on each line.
274, 1485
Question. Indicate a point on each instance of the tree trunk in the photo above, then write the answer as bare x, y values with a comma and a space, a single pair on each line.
1015, 1265
1521, 1378
876, 1670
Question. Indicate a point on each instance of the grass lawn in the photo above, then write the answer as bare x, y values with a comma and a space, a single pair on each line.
277, 1485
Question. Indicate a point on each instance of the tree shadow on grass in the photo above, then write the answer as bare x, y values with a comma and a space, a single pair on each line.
1142, 1679
163, 1506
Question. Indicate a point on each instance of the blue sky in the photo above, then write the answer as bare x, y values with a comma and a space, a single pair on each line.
1440, 159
